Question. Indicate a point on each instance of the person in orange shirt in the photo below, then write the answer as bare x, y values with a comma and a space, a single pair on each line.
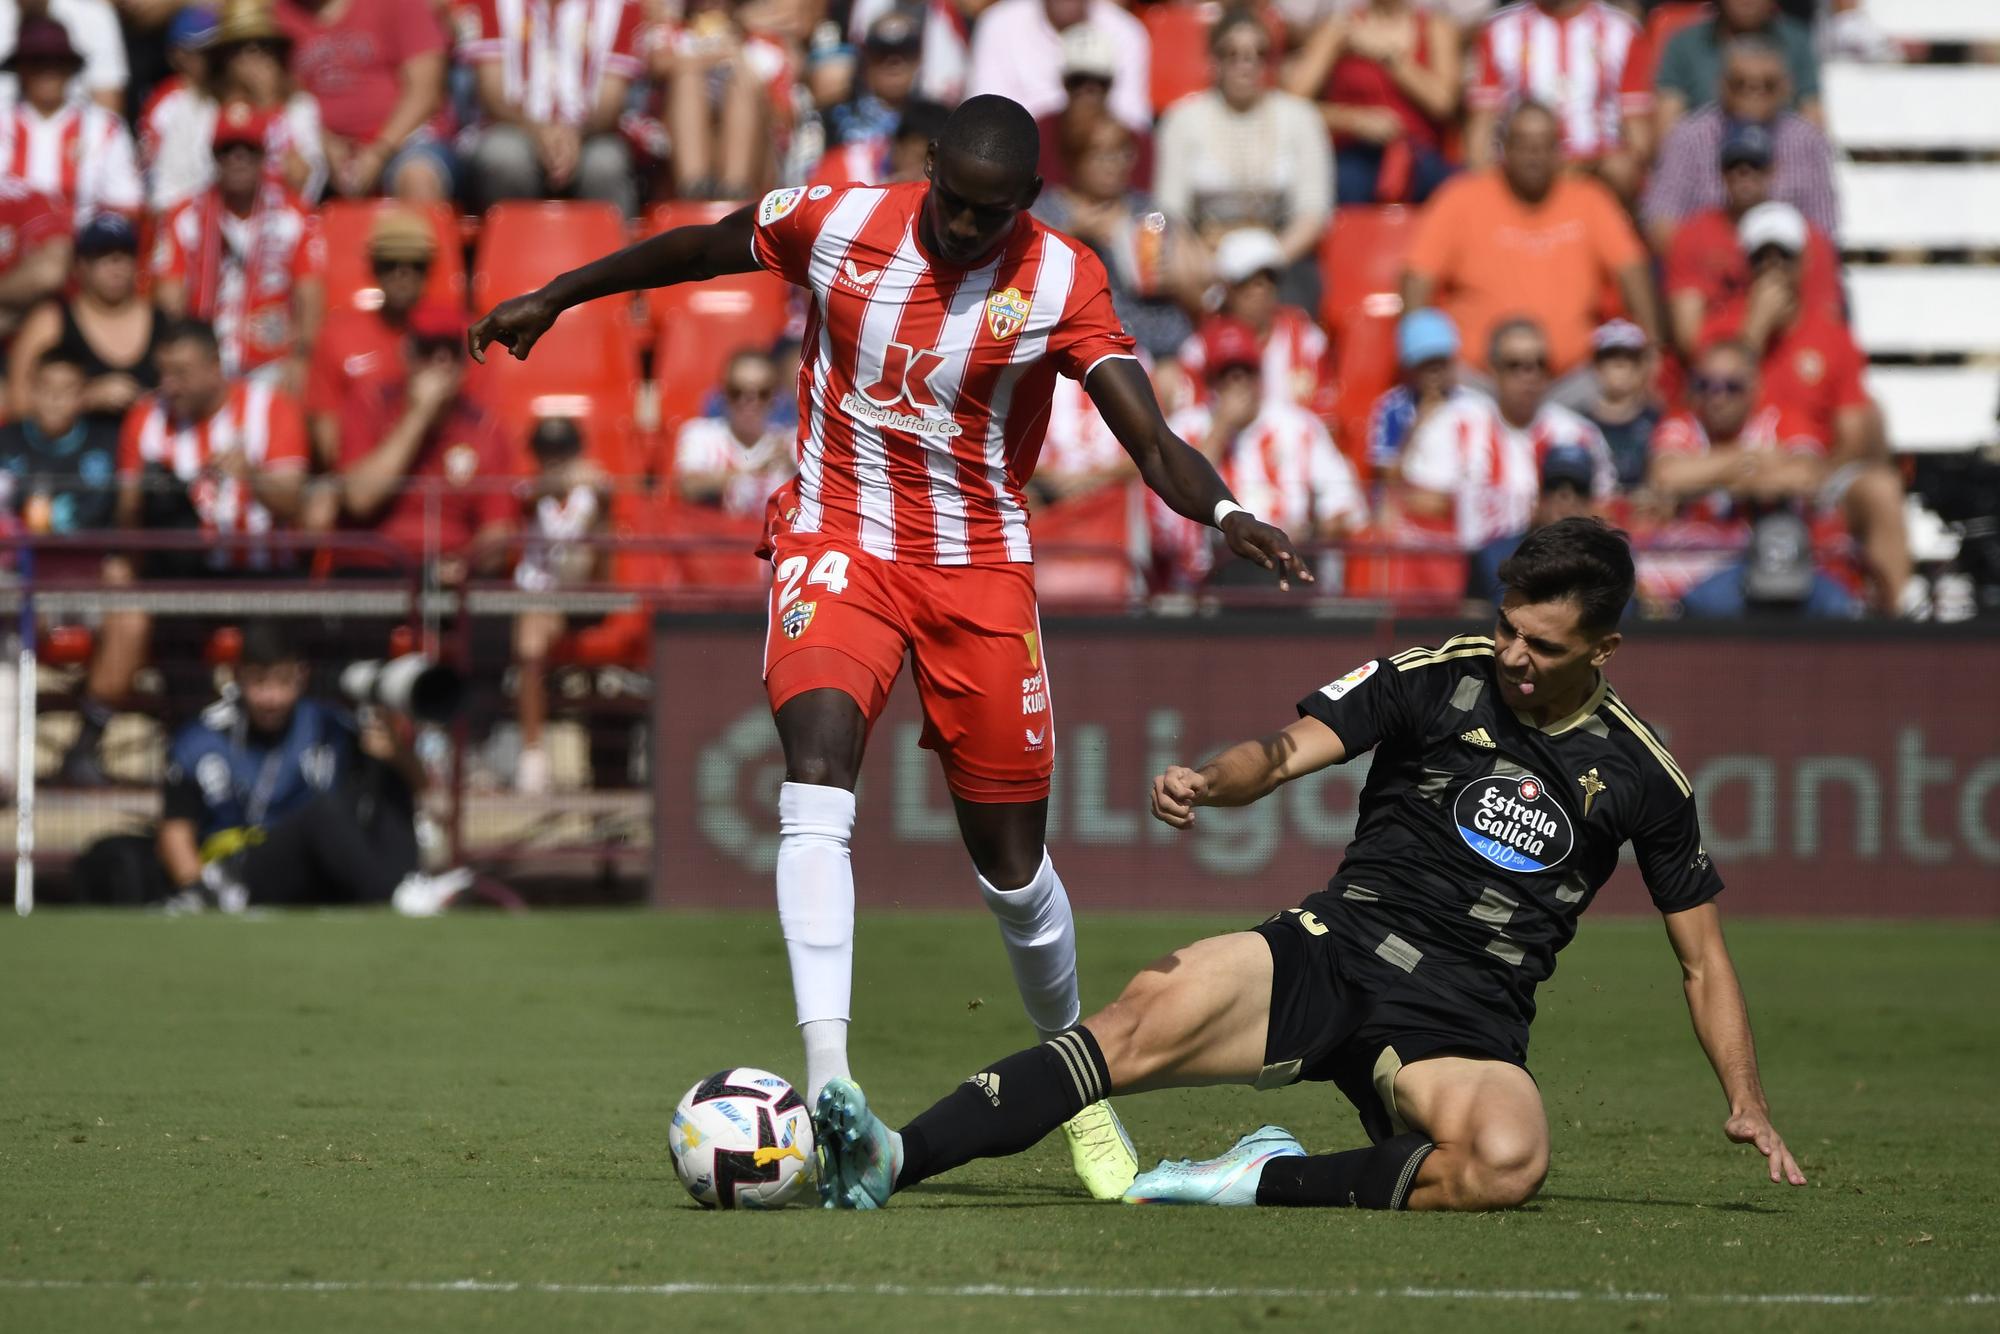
1526, 240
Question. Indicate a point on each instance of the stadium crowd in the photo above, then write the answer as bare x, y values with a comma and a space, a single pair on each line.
1418, 275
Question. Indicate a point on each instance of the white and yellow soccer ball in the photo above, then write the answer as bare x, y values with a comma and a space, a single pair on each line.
743, 1139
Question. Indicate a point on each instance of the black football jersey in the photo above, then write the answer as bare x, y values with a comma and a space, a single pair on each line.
1481, 837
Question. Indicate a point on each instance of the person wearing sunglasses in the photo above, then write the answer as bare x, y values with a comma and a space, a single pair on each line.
1241, 154
1811, 369
1756, 90
246, 255
734, 460
1706, 266
1740, 474
1477, 461
1690, 73
363, 341
424, 462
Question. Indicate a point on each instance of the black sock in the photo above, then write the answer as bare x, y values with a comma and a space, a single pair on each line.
1378, 1177
96, 715
1007, 1107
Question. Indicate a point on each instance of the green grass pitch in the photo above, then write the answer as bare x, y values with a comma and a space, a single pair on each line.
325, 1122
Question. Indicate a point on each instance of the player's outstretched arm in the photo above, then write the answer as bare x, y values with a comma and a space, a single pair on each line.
682, 255
1178, 474
1246, 771
1722, 1023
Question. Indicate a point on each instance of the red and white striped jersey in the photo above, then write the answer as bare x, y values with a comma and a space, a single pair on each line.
1493, 469
1079, 442
1590, 67
924, 390
260, 421
554, 54
1294, 351
1284, 469
82, 155
241, 273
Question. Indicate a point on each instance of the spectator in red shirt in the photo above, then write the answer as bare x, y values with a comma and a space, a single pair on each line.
552, 76
247, 255
1706, 268
422, 460
1386, 77
1589, 62
358, 346
377, 68
1811, 372
1726, 466
1249, 264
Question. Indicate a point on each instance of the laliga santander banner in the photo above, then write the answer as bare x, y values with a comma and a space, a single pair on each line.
1839, 773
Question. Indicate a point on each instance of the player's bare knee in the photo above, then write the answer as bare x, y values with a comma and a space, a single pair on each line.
1505, 1166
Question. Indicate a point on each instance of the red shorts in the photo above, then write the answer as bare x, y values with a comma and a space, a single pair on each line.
842, 619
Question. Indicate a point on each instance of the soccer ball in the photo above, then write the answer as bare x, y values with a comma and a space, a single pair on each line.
743, 1139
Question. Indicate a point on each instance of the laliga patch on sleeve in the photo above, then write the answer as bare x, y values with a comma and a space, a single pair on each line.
1335, 689
778, 203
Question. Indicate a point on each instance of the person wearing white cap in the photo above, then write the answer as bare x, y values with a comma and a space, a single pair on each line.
1089, 66
1241, 154
1811, 370
1249, 263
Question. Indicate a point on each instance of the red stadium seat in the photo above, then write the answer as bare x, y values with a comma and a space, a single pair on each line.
1083, 549
586, 366
1361, 262
1364, 358
349, 280
697, 327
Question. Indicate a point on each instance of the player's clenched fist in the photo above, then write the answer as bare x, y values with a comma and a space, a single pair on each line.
1175, 795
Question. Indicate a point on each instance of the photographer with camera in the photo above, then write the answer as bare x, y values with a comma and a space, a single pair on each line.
277, 799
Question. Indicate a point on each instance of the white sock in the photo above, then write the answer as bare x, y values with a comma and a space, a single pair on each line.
1040, 936
816, 912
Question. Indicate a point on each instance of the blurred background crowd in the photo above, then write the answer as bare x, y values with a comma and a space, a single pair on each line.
1418, 275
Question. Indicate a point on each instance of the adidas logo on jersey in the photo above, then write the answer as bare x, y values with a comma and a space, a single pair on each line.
861, 282
1477, 737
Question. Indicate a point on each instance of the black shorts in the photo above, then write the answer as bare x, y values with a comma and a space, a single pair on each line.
1335, 1020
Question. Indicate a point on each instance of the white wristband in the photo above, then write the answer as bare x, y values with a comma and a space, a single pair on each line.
1225, 508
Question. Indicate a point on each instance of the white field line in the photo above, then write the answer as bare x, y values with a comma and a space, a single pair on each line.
1004, 1291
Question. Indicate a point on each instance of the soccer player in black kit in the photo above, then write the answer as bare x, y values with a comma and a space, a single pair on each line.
1507, 774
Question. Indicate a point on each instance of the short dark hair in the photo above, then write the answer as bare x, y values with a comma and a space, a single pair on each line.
60, 355
268, 642
921, 119
1231, 20
1507, 328
1582, 560
187, 329
995, 129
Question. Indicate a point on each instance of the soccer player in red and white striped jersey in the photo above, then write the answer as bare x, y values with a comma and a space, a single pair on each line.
942, 313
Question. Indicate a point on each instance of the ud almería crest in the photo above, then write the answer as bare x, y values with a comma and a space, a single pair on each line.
1006, 313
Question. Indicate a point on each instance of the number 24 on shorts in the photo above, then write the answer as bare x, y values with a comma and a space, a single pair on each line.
830, 572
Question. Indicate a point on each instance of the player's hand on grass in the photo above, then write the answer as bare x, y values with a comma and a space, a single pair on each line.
515, 324
1175, 795
1262, 544
1752, 1126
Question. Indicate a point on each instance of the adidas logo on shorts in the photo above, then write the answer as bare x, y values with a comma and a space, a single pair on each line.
989, 1084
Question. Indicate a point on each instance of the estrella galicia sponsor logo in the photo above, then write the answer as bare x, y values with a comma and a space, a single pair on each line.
1514, 823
